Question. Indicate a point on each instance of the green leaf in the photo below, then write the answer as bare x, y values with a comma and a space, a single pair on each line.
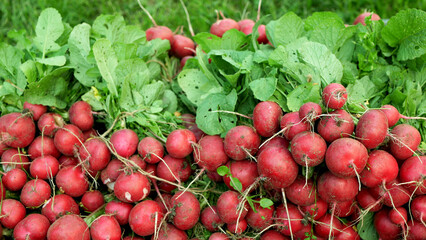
222, 170
131, 34
108, 26
231, 40
135, 71
48, 29
266, 203
361, 91
319, 19
263, 88
10, 61
107, 62
94, 99
30, 70
170, 101
307, 92
153, 48
285, 30
407, 29
208, 41
236, 184
152, 92
366, 228
53, 61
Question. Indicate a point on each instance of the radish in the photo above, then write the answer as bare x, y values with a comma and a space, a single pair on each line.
72, 181
277, 141
182, 46
305, 232
335, 189
92, 200
179, 143
210, 219
58, 206
413, 172
150, 150
266, 118
328, 226
12, 159
96, 153
67, 161
384, 226
291, 125
310, 111
124, 142
418, 208
211, 153
80, 114
398, 216
367, 201
17, 130
218, 236
381, 168
36, 110
348, 233
338, 125
137, 162
110, 174
221, 26
346, 157
372, 128
263, 38
186, 210
43, 145
12, 212
182, 64
393, 115
315, 210
291, 222
227, 207
278, 165
167, 198
119, 210
68, 139
343, 209
49, 123
168, 231
416, 230
238, 228
35, 192
70, 227
308, 149
105, 227
301, 192
14, 179
334, 96
189, 122
145, 217
405, 139
273, 235
33, 226
214, 176
362, 16
245, 171
393, 195
160, 32
173, 170
44, 167
260, 218
246, 26
131, 187
89, 134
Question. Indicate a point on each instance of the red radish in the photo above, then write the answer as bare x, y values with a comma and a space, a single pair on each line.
308, 149
367, 201
96, 153
92, 200
72, 181
237, 228
186, 209
179, 143
151, 150
89, 134
160, 32
405, 140
210, 219
43, 145
348, 233
393, 195
305, 232
169, 231
35, 193
145, 217
131, 187
416, 230
301, 192
14, 180
138, 161
310, 111
260, 218
210, 153
125, 142
17, 130
182, 64
80, 114
335, 189
346, 157
70, 227
328, 225
49, 123
246, 26
44, 167
385, 227
338, 125
334, 96
372, 128
343, 209
227, 207
119, 210
58, 206
273, 235
67, 161
33, 226
263, 38
218, 236
266, 118
398, 215
221, 26
381, 167
418, 208
12, 158
105, 227
278, 165
3, 147
362, 16
289, 223
36, 110
182, 46
244, 170
316, 210
291, 125
277, 141
110, 174
391, 113
173, 170
189, 122
12, 212
214, 176
68, 139
167, 200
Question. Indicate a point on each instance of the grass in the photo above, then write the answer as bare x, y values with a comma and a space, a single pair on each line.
23, 14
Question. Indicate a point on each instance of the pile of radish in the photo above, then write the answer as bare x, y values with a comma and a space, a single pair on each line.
323, 174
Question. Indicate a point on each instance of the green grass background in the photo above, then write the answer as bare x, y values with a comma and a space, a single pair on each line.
23, 14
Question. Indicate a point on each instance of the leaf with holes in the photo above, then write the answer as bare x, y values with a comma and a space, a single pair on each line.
48, 29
